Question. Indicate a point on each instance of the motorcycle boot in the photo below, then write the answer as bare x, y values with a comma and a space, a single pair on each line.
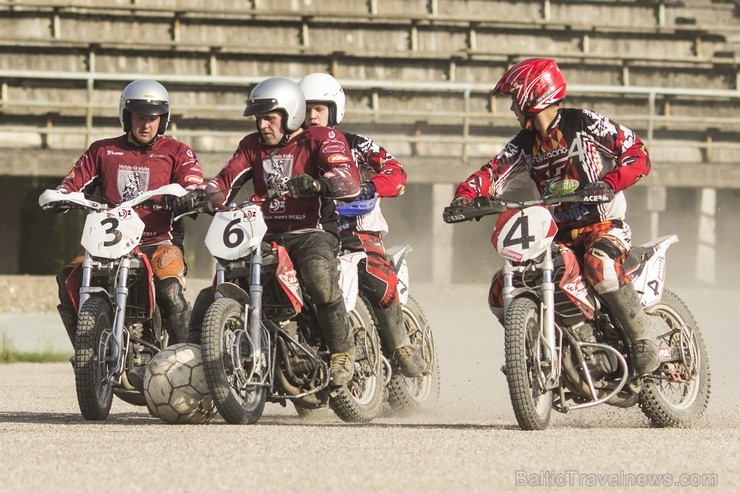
393, 334
625, 306
335, 330
202, 302
69, 319
136, 377
177, 326
175, 308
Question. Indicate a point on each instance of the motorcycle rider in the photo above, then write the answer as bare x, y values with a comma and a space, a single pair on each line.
382, 176
123, 167
315, 166
558, 146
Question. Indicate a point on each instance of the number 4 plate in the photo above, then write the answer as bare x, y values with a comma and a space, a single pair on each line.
524, 234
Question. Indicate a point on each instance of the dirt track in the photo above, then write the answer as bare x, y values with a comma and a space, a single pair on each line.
471, 443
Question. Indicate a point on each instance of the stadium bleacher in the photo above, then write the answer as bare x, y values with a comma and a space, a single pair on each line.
417, 73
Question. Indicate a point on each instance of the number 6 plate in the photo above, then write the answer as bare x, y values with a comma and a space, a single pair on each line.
233, 234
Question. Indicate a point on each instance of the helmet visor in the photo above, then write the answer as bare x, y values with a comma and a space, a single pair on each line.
143, 107
257, 106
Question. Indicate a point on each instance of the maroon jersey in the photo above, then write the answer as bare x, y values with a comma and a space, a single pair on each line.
581, 146
320, 152
123, 170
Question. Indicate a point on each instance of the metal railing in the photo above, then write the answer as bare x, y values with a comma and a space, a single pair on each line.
377, 89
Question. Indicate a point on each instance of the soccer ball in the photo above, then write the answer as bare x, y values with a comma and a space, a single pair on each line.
175, 386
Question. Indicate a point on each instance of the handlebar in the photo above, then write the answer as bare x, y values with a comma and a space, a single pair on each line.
486, 206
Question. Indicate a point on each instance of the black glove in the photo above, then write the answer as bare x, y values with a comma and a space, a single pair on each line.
303, 186
460, 202
453, 212
367, 191
191, 201
598, 191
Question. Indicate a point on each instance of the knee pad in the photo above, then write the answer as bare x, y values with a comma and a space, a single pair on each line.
320, 279
170, 296
604, 247
378, 282
602, 265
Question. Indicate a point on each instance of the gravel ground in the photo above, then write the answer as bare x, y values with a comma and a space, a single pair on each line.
470, 443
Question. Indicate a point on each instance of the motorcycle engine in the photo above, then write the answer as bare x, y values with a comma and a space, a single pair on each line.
600, 363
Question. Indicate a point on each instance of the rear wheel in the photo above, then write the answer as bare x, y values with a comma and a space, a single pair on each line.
361, 400
93, 360
416, 395
228, 363
524, 355
679, 394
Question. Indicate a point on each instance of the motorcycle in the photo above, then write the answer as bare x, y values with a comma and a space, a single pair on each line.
260, 337
404, 395
119, 325
564, 350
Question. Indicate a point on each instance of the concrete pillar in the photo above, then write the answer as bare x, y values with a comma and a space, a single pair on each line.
706, 251
546, 10
442, 253
655, 201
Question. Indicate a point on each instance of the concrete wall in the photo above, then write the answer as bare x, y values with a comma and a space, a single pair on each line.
627, 43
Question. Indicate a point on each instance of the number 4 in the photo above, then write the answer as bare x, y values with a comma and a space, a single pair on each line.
524, 239
655, 286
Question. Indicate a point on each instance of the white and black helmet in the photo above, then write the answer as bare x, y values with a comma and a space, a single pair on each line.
144, 97
323, 88
278, 93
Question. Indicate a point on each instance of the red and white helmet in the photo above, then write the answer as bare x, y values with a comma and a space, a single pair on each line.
536, 83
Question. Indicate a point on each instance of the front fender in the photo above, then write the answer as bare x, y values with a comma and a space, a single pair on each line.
95, 292
231, 290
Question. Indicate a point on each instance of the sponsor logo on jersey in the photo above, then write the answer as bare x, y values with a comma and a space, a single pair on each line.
338, 158
277, 206
193, 179
561, 187
550, 155
333, 148
113, 153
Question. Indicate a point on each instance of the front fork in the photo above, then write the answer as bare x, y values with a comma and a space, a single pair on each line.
252, 312
118, 352
547, 314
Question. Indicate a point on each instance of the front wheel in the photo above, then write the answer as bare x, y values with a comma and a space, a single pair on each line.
416, 395
93, 360
524, 354
361, 400
227, 362
679, 395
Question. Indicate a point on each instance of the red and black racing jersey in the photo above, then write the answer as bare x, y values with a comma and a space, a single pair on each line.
320, 152
123, 170
581, 146
380, 167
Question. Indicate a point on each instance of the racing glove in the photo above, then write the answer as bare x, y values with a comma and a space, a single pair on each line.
460, 202
367, 191
303, 186
197, 199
